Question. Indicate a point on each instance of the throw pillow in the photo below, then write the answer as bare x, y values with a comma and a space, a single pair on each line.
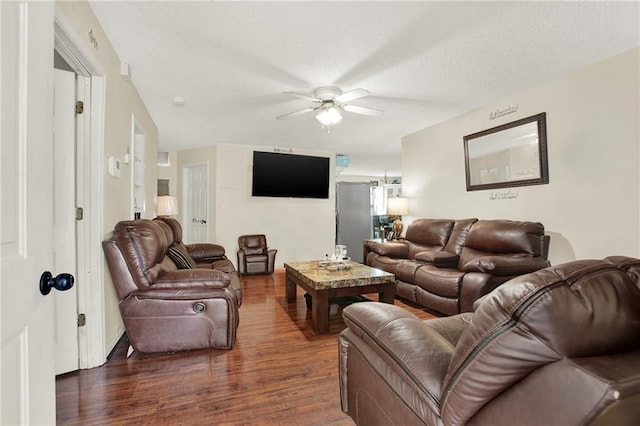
181, 257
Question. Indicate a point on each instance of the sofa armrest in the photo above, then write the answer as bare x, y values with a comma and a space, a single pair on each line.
391, 249
201, 251
504, 265
438, 258
185, 279
412, 349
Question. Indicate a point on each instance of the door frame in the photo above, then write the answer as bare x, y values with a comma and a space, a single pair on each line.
91, 337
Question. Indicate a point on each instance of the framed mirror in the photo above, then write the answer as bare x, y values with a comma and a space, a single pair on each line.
514, 154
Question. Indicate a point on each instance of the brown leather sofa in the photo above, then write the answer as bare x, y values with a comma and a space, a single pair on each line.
560, 346
446, 265
165, 308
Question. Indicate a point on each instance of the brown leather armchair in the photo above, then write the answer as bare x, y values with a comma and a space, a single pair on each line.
560, 346
166, 308
254, 256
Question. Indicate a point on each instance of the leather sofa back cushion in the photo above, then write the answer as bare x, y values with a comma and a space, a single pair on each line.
429, 232
628, 264
174, 225
143, 244
253, 244
534, 318
505, 236
205, 250
459, 234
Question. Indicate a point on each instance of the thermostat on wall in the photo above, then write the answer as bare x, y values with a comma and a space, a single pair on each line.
113, 166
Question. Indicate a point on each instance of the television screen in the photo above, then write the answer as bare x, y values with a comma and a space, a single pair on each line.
289, 175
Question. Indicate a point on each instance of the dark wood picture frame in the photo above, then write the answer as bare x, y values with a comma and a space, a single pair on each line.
506, 156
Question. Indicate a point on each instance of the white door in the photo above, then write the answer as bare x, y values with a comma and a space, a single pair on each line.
196, 180
26, 110
64, 221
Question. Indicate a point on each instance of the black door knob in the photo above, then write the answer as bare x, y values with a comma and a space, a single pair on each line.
61, 282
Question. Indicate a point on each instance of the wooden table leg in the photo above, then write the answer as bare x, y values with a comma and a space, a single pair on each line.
387, 293
320, 312
290, 288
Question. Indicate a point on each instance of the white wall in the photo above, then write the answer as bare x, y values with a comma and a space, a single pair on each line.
300, 229
590, 207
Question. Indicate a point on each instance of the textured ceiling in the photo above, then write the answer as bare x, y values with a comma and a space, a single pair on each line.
423, 62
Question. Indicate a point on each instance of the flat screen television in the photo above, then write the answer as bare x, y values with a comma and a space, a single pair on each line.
289, 175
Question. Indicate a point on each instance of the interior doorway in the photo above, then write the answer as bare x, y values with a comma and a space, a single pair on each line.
196, 202
89, 189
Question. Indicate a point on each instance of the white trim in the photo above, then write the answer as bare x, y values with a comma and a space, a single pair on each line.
138, 136
91, 338
97, 353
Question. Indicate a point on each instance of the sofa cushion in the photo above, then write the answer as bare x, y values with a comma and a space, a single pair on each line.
253, 244
205, 250
406, 270
176, 229
429, 232
181, 257
251, 251
443, 282
438, 258
504, 265
505, 237
459, 235
143, 245
386, 263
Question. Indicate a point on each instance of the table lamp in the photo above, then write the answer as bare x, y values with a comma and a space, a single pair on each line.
397, 206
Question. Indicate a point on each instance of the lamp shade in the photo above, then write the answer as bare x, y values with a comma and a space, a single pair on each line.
397, 206
167, 205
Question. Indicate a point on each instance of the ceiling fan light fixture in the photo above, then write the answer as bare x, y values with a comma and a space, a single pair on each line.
329, 116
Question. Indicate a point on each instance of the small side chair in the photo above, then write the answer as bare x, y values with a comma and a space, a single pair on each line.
254, 256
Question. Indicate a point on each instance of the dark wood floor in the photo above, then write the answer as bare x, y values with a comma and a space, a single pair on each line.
279, 372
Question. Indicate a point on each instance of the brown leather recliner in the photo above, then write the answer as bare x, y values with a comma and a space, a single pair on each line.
164, 308
254, 256
560, 346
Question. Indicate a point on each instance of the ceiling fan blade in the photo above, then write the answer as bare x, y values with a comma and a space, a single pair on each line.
294, 113
351, 95
303, 96
363, 110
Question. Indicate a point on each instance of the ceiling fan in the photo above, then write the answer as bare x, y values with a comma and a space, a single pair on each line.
328, 101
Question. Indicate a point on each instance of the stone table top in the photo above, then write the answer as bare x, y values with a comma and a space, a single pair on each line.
319, 277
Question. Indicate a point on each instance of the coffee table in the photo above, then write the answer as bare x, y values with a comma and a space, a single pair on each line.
323, 285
